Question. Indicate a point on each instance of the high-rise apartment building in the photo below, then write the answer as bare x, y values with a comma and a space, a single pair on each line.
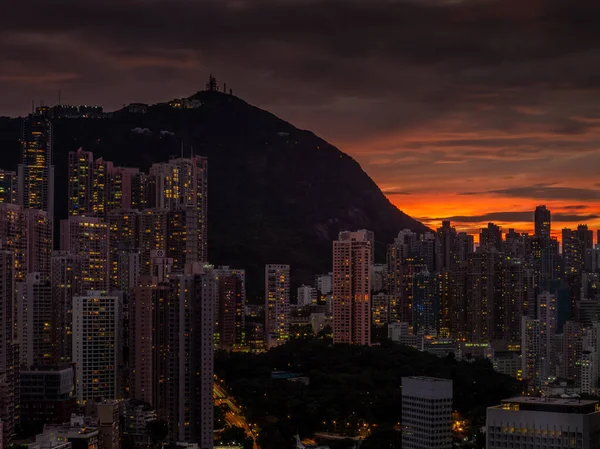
39, 242
481, 291
534, 366
190, 384
35, 320
8, 187
96, 186
230, 308
307, 295
231, 311
28, 234
97, 345
543, 422
125, 257
352, 288
145, 308
426, 413
88, 237
426, 302
152, 236
491, 238
585, 236
571, 350
66, 279
36, 172
542, 222
572, 252
184, 182
537, 335
81, 164
172, 332
277, 304
9, 350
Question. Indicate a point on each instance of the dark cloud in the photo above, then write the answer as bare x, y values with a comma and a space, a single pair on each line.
544, 191
513, 217
424, 93
394, 192
575, 207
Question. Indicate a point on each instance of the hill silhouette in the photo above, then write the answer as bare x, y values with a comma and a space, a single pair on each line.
277, 194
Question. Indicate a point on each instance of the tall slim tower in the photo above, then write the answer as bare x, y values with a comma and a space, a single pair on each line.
96, 345
28, 234
184, 182
67, 273
542, 222
80, 168
9, 371
89, 238
36, 172
34, 320
277, 304
352, 288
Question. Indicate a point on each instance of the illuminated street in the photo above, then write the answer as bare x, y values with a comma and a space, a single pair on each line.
234, 416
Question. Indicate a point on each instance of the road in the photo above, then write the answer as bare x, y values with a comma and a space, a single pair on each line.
234, 416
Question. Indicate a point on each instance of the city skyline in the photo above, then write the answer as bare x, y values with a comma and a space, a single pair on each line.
449, 121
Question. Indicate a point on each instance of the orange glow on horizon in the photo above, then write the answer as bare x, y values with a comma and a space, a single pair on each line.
432, 208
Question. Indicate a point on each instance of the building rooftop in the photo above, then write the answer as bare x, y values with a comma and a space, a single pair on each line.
572, 402
549, 405
429, 379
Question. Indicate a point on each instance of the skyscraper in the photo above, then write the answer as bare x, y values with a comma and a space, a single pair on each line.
426, 413
145, 311
184, 182
67, 272
277, 304
491, 238
28, 234
35, 320
39, 242
426, 302
352, 288
152, 236
80, 169
36, 172
9, 350
172, 332
190, 373
542, 222
97, 186
585, 236
231, 311
88, 237
97, 345
123, 227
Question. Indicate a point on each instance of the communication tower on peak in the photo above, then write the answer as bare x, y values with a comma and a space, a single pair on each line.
211, 86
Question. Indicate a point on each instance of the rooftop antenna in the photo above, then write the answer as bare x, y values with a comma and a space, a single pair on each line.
182, 149
59, 96
32, 106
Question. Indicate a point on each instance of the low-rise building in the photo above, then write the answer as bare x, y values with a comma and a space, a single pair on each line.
49, 440
535, 422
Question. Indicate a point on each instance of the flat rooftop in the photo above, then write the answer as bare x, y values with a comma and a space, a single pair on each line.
549, 405
573, 402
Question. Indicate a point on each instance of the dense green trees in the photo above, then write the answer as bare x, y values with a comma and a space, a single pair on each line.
350, 386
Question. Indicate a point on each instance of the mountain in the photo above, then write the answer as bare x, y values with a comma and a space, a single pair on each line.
277, 194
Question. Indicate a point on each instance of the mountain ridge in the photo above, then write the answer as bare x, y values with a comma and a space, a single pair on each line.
277, 194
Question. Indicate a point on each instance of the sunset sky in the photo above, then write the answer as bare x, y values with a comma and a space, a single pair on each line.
473, 110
